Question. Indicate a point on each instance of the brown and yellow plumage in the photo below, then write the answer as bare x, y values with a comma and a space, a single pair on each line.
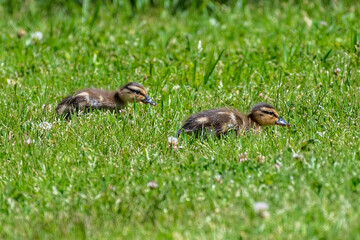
223, 120
86, 99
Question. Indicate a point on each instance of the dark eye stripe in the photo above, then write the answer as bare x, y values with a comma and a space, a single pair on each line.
136, 91
270, 113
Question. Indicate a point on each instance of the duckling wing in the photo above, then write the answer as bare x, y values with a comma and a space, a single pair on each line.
75, 102
216, 120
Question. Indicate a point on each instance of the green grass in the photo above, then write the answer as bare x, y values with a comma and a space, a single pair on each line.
88, 178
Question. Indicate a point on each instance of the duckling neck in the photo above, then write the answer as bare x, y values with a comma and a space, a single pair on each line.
119, 101
253, 124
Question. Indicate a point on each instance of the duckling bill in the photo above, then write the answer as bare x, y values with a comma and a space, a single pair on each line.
87, 99
224, 120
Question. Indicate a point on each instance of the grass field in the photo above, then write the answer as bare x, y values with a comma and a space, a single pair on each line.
88, 178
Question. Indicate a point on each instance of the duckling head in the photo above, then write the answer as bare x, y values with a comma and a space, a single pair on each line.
265, 115
134, 92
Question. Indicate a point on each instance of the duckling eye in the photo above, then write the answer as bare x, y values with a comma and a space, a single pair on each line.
137, 91
270, 113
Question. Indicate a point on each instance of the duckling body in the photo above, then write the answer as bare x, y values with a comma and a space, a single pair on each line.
87, 99
216, 120
223, 120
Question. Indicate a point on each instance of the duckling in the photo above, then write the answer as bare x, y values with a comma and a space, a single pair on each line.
86, 99
223, 120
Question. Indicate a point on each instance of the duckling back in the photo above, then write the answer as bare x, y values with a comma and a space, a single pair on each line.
218, 121
88, 99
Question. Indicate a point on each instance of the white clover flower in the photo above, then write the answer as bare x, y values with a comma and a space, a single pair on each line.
218, 178
261, 209
243, 157
261, 158
37, 36
152, 184
261, 206
172, 141
298, 156
175, 87
47, 107
45, 125
29, 141
337, 71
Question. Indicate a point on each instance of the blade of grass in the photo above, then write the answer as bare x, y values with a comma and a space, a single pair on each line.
211, 66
